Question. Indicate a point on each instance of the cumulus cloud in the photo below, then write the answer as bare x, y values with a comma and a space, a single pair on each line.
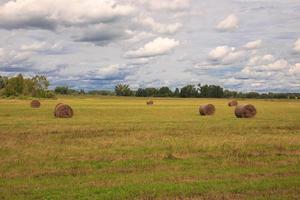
249, 72
48, 14
172, 5
111, 71
219, 52
261, 60
295, 70
225, 55
253, 45
266, 67
230, 23
44, 47
157, 47
278, 65
149, 22
297, 46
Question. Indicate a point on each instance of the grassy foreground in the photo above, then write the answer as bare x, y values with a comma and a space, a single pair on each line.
119, 148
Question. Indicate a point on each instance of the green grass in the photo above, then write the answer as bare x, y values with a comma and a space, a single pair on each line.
119, 148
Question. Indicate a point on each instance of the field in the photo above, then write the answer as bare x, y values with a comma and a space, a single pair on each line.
119, 148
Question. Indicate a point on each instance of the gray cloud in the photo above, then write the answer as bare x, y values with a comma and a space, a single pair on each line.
48, 14
102, 35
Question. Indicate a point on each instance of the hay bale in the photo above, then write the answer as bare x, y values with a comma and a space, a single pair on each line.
208, 109
57, 105
149, 103
63, 111
245, 111
233, 103
35, 104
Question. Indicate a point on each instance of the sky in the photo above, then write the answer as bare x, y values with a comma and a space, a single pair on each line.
243, 45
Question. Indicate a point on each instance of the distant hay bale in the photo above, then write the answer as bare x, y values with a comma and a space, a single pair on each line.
63, 111
208, 109
35, 104
233, 103
149, 103
245, 111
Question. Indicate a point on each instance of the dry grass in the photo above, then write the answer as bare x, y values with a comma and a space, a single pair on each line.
118, 148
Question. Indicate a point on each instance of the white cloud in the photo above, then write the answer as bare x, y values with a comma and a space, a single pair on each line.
136, 36
225, 54
249, 72
271, 69
149, 22
233, 57
56, 47
297, 46
253, 44
11, 57
48, 14
219, 52
109, 71
230, 23
172, 5
275, 66
157, 47
295, 70
140, 61
261, 60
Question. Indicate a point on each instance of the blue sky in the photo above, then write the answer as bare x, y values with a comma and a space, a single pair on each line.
245, 45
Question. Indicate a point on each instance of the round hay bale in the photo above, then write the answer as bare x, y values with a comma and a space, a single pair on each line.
35, 104
233, 103
149, 103
63, 111
208, 109
57, 105
245, 111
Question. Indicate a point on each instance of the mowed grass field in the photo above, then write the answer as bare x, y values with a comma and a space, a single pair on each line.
119, 148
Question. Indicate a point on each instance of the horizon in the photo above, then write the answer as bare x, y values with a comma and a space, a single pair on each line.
241, 45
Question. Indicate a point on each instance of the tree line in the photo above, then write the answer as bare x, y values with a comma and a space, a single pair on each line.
37, 86
198, 91
18, 86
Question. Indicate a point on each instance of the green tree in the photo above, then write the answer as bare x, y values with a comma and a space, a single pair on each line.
3, 82
61, 90
189, 91
28, 88
141, 93
230, 94
14, 86
19, 84
40, 86
164, 92
123, 90
176, 93
151, 92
